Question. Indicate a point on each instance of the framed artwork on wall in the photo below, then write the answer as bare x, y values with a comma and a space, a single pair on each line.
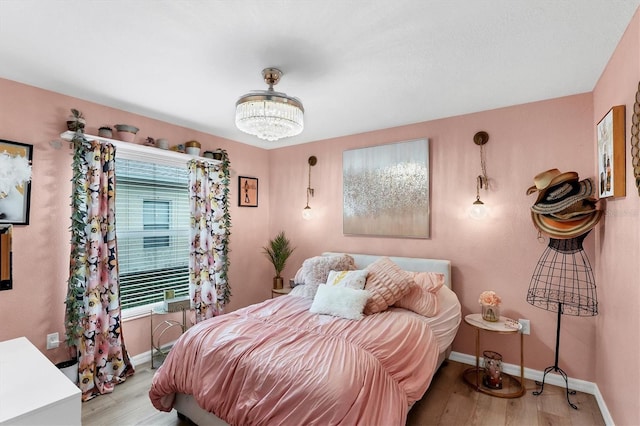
15, 185
611, 154
386, 190
247, 191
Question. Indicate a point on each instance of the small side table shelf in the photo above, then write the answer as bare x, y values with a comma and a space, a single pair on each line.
161, 329
275, 292
512, 387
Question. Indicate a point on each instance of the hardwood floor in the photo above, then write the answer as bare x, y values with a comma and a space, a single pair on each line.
449, 401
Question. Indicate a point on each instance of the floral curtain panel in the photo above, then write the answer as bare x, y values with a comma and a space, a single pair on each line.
210, 229
93, 316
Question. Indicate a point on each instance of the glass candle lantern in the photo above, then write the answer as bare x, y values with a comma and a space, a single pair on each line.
492, 376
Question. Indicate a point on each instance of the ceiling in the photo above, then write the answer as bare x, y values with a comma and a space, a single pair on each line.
356, 65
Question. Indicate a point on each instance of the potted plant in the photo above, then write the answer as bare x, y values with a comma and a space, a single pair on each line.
76, 121
278, 251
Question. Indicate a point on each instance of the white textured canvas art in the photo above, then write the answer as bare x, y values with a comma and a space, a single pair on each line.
386, 190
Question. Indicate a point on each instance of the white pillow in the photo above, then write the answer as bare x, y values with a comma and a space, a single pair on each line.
340, 302
350, 279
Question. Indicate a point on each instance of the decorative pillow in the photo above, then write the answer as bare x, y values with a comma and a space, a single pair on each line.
298, 279
303, 290
422, 297
387, 284
315, 270
349, 279
340, 302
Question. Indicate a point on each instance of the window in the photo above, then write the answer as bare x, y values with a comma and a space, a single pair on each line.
153, 227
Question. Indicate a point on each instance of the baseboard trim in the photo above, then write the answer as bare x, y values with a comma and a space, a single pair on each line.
141, 358
146, 356
552, 379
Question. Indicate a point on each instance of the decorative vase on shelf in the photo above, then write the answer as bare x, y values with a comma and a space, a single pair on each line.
490, 313
126, 133
105, 132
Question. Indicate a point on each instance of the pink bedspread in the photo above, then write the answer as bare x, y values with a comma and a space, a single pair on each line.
275, 363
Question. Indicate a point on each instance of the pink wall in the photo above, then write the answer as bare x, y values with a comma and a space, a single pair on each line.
35, 306
499, 253
618, 247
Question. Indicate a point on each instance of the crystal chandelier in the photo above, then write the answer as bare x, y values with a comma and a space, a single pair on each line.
268, 114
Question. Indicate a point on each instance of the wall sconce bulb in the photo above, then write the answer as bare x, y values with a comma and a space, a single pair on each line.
478, 210
306, 213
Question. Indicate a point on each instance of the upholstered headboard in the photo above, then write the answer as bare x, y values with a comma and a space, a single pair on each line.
414, 264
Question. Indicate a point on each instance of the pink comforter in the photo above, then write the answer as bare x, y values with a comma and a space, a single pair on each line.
275, 363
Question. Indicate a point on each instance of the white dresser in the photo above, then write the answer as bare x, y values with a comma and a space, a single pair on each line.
33, 391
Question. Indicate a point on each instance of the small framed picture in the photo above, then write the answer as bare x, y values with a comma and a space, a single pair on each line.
15, 192
169, 294
247, 191
611, 154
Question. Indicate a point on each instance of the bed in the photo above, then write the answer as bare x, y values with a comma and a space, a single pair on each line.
276, 362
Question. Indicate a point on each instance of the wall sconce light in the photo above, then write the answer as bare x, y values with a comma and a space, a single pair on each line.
306, 212
478, 209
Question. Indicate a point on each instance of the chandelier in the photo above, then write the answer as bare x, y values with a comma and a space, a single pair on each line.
268, 114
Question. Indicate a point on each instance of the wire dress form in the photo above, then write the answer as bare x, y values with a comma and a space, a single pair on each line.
563, 282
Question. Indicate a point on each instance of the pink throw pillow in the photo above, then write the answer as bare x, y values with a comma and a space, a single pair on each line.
387, 284
422, 297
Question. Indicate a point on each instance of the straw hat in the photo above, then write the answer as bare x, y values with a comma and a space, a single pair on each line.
564, 207
565, 229
575, 210
545, 180
562, 195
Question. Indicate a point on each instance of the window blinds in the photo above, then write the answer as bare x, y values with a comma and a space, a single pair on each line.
152, 227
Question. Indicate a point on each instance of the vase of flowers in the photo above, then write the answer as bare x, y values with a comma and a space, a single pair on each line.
490, 303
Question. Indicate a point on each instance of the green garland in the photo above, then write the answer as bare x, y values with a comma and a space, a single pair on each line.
226, 166
76, 284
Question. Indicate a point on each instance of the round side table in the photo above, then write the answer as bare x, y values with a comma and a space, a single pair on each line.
512, 386
275, 292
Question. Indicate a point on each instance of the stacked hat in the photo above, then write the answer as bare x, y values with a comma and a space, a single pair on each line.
565, 207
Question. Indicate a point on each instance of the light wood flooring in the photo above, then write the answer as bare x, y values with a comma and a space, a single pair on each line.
449, 401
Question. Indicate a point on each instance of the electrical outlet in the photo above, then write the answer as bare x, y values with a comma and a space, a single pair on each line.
53, 340
526, 326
